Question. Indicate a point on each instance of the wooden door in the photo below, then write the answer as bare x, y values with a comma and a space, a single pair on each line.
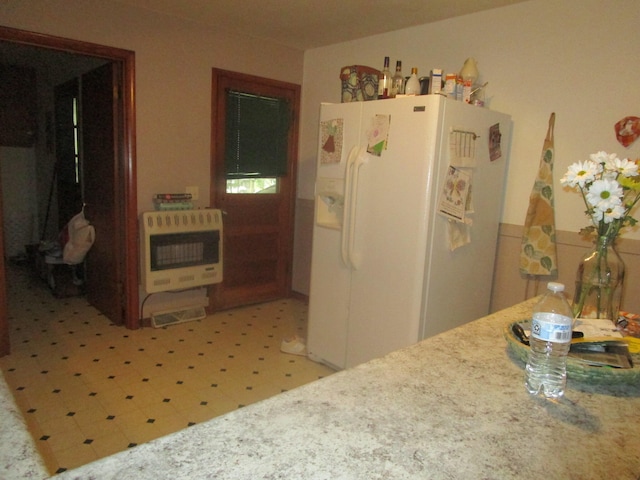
258, 227
5, 344
68, 183
103, 203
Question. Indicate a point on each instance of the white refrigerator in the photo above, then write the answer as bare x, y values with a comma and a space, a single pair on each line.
395, 257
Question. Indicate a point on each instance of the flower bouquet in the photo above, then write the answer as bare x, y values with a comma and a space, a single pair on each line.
610, 188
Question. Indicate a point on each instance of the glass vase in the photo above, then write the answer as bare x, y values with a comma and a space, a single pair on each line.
599, 282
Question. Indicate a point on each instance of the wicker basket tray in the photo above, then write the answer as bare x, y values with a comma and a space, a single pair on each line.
576, 370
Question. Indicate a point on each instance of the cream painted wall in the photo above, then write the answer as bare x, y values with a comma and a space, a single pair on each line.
578, 58
173, 66
174, 59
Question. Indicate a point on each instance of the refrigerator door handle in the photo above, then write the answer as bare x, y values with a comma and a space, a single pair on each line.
344, 238
360, 159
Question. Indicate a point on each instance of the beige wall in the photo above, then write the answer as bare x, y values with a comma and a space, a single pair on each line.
173, 66
577, 58
510, 287
174, 59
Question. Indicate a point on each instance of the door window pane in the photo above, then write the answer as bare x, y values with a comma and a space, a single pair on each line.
252, 185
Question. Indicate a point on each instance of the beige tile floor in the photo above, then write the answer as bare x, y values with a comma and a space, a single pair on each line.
88, 388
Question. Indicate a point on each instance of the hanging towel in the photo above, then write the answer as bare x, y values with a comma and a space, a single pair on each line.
76, 239
538, 249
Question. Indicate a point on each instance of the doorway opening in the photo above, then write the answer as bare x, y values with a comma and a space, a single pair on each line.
111, 89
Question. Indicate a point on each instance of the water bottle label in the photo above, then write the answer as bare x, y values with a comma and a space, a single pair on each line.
551, 327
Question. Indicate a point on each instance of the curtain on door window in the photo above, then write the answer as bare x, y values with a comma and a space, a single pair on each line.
256, 136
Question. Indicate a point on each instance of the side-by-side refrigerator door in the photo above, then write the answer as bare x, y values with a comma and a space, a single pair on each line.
461, 272
339, 133
390, 226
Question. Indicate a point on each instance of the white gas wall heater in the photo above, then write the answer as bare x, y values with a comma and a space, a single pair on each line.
180, 249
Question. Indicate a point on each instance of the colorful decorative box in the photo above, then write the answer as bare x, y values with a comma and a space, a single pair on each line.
359, 83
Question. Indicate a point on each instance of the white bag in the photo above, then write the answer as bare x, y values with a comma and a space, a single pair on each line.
81, 236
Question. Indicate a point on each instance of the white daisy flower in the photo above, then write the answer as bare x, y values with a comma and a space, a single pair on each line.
604, 194
602, 157
612, 214
581, 173
623, 167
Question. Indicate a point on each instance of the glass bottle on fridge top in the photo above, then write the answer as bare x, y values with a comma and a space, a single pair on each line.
550, 339
397, 82
413, 84
384, 80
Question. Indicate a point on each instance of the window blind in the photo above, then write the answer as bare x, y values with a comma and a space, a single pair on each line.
256, 135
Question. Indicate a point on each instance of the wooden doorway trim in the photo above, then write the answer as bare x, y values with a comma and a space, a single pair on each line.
258, 228
129, 220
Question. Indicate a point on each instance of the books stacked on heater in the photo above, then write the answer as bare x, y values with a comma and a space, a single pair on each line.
172, 201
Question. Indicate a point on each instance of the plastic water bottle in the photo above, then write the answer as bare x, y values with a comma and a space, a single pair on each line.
550, 339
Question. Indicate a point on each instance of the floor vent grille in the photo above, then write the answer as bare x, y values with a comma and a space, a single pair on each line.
164, 319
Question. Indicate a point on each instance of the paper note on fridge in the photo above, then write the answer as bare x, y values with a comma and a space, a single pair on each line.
378, 135
453, 201
331, 134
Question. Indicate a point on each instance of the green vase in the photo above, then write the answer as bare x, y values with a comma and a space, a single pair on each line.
599, 282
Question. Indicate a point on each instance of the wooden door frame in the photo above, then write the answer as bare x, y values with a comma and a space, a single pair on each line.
218, 179
129, 220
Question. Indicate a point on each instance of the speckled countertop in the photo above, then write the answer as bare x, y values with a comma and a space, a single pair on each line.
19, 457
451, 407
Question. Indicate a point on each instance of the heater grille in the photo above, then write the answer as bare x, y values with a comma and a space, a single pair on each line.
163, 319
180, 249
